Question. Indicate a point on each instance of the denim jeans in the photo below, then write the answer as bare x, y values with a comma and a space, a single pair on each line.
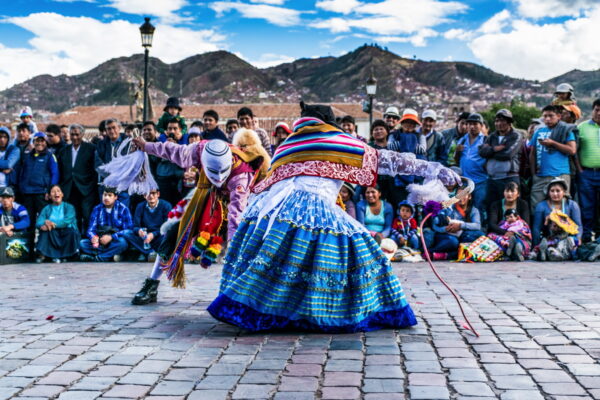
105, 253
479, 196
445, 243
136, 241
589, 189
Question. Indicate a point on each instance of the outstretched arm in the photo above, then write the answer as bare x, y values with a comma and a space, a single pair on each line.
184, 156
393, 163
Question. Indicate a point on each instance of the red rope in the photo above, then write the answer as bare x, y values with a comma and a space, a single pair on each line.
426, 251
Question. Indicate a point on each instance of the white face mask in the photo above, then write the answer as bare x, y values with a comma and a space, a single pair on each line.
216, 160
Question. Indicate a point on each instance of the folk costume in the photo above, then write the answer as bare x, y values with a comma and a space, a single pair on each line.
226, 175
299, 261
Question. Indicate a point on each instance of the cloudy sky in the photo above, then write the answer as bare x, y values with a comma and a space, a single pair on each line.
535, 39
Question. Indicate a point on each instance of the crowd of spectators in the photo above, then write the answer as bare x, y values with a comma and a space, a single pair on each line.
53, 197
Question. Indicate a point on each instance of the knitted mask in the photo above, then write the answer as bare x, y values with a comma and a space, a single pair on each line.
216, 160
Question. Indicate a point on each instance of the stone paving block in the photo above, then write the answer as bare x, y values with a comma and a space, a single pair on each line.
378, 360
521, 395
347, 345
32, 371
473, 389
504, 369
253, 391
532, 363
143, 379
152, 366
79, 395
217, 382
550, 375
111, 370
383, 385
467, 375
60, 378
307, 359
8, 392
127, 391
345, 355
428, 392
584, 369
459, 363
295, 396
420, 356
520, 382
589, 382
501, 358
261, 377
298, 384
575, 359
94, 383
385, 396
313, 369
124, 359
420, 379
44, 391
208, 395
342, 379
226, 369
563, 388
185, 374
390, 371
268, 364
340, 393
173, 388
423, 366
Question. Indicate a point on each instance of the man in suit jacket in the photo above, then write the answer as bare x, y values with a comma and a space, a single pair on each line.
78, 178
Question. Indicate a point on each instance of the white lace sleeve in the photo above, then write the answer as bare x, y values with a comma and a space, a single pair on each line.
393, 163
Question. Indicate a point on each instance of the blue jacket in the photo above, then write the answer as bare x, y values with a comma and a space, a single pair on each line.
18, 217
38, 173
119, 220
388, 214
214, 134
10, 160
151, 220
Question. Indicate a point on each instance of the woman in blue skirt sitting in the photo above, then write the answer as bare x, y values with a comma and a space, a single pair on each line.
297, 260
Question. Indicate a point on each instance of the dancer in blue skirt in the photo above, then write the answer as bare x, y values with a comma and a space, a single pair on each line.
297, 260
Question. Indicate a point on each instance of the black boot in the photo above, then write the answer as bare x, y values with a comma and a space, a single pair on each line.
147, 294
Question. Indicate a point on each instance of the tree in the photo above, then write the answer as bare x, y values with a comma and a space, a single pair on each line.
521, 112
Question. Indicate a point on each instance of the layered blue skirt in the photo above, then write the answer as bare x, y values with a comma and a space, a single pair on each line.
315, 269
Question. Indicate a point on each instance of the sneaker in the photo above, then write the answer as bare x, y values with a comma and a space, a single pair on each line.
56, 260
87, 258
117, 258
440, 256
40, 259
141, 258
152, 256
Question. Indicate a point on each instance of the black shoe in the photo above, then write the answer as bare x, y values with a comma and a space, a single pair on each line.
147, 294
87, 258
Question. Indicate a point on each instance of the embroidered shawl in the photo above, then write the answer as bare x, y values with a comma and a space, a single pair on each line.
319, 149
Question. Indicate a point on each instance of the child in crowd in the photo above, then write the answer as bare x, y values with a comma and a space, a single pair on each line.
558, 244
517, 239
404, 227
347, 193
172, 110
459, 224
27, 118
564, 95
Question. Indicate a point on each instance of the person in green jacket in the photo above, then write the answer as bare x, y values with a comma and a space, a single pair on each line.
57, 225
172, 110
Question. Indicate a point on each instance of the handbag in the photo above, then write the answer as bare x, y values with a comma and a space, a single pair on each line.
483, 249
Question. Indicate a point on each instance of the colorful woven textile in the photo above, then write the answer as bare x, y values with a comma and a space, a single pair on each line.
319, 149
483, 249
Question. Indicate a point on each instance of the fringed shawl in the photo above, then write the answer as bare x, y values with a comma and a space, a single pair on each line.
319, 149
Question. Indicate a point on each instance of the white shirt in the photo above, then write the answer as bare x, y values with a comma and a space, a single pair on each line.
74, 152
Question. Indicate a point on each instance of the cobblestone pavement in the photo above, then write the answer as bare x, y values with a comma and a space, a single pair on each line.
539, 326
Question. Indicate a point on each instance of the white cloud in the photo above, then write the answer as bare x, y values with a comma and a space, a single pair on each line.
495, 24
164, 9
73, 45
457, 33
270, 60
553, 8
394, 17
418, 40
274, 2
529, 50
338, 6
276, 15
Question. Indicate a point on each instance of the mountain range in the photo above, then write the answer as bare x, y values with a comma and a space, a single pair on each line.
223, 77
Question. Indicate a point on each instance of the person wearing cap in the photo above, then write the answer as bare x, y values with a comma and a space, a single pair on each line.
172, 110
533, 125
78, 177
471, 163
451, 137
564, 95
589, 173
556, 198
391, 117
26, 117
501, 150
9, 159
551, 146
281, 132
39, 171
406, 140
14, 217
434, 140
105, 235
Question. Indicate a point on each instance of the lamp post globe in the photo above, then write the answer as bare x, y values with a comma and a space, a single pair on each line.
147, 33
371, 86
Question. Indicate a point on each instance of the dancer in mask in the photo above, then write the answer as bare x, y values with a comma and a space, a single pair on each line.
196, 225
298, 261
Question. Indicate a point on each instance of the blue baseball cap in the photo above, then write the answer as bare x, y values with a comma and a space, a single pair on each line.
40, 135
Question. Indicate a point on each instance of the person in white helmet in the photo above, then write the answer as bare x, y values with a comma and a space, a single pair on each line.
227, 174
564, 95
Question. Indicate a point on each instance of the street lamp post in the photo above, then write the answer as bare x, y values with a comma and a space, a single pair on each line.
371, 90
147, 31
